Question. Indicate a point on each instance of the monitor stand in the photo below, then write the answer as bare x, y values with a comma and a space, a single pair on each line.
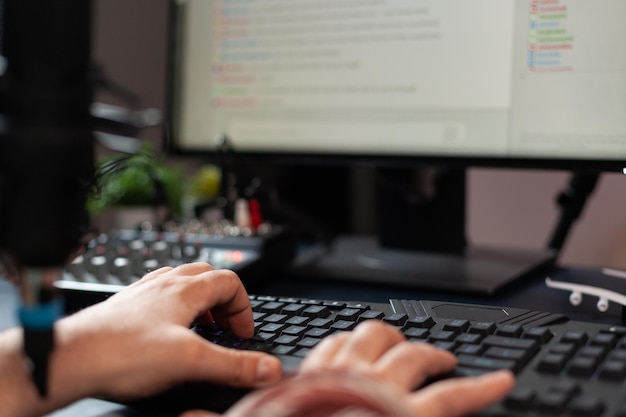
421, 243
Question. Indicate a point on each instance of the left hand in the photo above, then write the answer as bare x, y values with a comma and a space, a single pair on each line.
138, 342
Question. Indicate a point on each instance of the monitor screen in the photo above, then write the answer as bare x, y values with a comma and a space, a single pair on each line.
484, 82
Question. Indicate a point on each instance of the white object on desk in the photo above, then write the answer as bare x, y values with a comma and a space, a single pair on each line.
577, 290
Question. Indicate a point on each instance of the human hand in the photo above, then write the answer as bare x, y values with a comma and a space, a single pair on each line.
138, 342
381, 353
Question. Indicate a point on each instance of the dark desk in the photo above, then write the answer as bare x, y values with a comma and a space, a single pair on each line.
530, 294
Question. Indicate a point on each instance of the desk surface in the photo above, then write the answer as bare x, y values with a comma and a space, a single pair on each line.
530, 294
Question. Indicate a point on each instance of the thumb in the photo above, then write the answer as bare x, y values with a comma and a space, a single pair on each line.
238, 368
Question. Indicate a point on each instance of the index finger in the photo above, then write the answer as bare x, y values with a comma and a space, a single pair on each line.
236, 314
219, 292
462, 396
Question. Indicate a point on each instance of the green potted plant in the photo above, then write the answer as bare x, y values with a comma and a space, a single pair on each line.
132, 189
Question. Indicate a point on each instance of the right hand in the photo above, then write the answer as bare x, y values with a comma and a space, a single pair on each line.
381, 353
374, 370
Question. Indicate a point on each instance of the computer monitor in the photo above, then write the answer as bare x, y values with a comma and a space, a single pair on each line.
400, 83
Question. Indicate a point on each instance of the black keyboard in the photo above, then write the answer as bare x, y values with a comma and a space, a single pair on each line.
563, 367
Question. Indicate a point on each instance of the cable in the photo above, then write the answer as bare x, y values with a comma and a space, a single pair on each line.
571, 202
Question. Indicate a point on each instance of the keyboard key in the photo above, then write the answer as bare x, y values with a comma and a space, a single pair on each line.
582, 366
286, 340
592, 351
302, 352
458, 326
312, 302
586, 406
483, 327
442, 336
613, 370
509, 330
604, 339
295, 330
551, 402
275, 318
449, 346
343, 325
319, 322
334, 304
417, 333
272, 328
265, 298
265, 337
565, 349
288, 300
293, 309
396, 319
577, 338
468, 349
618, 355
510, 342
298, 320
282, 349
485, 363
271, 307
318, 332
552, 363
258, 316
421, 322
350, 314
316, 311
566, 386
371, 315
504, 353
472, 338
540, 334
308, 342
520, 398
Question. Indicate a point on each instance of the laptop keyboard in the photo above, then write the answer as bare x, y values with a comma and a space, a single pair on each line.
563, 367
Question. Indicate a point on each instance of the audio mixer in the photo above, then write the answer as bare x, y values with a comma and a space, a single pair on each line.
115, 259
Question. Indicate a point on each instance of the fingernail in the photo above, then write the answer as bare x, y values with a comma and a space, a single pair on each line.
265, 370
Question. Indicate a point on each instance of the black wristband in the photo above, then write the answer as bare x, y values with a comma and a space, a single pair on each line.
38, 345
38, 327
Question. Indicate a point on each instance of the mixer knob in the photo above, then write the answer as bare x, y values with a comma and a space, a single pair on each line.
190, 253
77, 268
176, 252
150, 265
99, 268
136, 255
137, 247
123, 270
204, 255
161, 252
